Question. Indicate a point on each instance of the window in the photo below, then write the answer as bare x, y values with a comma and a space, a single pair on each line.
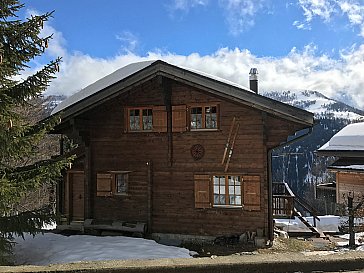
154, 118
204, 117
140, 119
227, 190
121, 183
112, 183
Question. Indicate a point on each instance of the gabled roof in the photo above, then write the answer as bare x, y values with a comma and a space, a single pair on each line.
349, 141
136, 73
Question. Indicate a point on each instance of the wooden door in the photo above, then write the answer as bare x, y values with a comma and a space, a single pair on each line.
76, 182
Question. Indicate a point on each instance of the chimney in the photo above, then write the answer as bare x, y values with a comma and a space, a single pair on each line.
253, 79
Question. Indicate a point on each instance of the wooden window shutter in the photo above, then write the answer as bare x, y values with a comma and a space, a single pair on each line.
104, 184
179, 116
251, 185
202, 191
159, 119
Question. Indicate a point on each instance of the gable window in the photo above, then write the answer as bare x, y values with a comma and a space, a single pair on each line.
140, 119
204, 117
227, 190
112, 183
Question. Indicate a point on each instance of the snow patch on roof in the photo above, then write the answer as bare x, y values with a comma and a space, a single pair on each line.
350, 138
216, 78
123, 73
351, 167
101, 84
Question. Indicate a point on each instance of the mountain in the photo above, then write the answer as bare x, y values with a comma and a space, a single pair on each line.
317, 103
297, 164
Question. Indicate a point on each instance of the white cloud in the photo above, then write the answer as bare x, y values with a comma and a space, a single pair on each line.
56, 46
240, 14
320, 8
129, 41
354, 12
186, 5
328, 9
300, 69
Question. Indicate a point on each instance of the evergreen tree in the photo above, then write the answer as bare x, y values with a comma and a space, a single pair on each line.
20, 172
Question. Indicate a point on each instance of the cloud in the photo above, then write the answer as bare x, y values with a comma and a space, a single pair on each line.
354, 12
240, 14
299, 69
186, 5
320, 8
129, 41
303, 68
327, 10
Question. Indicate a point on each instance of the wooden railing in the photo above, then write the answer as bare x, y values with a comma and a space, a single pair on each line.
283, 200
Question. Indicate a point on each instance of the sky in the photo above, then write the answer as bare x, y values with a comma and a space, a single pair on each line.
295, 44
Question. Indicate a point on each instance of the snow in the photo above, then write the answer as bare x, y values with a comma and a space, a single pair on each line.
351, 167
350, 138
327, 223
319, 104
50, 248
121, 74
358, 240
101, 84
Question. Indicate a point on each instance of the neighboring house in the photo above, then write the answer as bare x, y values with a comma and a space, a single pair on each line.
348, 146
178, 150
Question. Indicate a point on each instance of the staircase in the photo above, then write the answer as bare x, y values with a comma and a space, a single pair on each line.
318, 233
288, 205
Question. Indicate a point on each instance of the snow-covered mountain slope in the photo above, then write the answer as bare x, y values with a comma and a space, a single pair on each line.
317, 103
298, 164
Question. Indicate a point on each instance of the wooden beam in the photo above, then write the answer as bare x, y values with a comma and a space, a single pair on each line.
167, 97
150, 196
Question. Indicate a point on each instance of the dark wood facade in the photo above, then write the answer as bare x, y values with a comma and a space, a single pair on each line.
171, 168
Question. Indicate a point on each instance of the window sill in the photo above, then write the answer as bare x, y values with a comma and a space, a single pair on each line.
140, 131
121, 194
205, 130
228, 206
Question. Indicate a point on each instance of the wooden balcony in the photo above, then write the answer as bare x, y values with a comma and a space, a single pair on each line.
283, 200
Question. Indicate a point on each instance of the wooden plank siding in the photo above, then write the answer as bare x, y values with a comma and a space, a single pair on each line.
173, 191
349, 183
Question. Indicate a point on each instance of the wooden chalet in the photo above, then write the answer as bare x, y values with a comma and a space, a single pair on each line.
348, 147
168, 150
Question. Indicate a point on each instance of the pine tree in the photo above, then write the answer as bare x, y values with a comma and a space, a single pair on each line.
20, 172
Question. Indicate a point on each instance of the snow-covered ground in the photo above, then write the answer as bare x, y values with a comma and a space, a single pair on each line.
327, 223
51, 248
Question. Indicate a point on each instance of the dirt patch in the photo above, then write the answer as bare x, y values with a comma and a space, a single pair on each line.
280, 245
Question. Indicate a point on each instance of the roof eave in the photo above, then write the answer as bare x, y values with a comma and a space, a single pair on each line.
205, 83
340, 153
250, 98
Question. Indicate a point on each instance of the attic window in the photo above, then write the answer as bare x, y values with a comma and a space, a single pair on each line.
204, 117
140, 119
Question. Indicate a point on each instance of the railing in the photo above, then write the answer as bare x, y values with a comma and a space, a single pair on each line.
283, 200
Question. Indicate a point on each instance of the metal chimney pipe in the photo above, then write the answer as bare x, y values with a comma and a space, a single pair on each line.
253, 80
